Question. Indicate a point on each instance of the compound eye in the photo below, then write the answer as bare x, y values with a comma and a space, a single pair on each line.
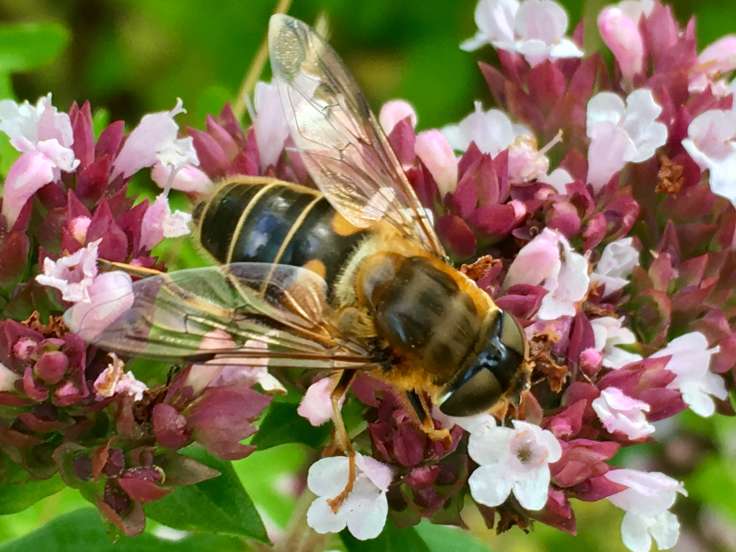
477, 394
512, 334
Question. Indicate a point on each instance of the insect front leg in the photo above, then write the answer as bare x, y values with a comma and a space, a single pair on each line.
417, 405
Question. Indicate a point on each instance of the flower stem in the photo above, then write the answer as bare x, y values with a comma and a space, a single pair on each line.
299, 537
256, 67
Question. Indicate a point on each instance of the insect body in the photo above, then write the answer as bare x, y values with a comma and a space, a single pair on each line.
350, 277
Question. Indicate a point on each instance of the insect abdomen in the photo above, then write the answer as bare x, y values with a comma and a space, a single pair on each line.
271, 221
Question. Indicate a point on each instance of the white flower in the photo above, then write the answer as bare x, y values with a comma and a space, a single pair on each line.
512, 460
618, 260
269, 123
610, 332
711, 142
44, 136
690, 362
533, 28
646, 502
154, 141
364, 509
114, 379
492, 132
621, 133
623, 414
549, 261
42, 129
72, 275
7, 378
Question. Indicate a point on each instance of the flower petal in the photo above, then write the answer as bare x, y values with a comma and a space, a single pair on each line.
111, 295
30, 172
532, 491
634, 533
328, 476
489, 485
490, 445
322, 519
365, 509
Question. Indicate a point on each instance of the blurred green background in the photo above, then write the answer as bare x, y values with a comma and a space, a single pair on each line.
136, 56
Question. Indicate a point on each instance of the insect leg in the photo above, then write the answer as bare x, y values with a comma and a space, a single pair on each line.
419, 407
342, 439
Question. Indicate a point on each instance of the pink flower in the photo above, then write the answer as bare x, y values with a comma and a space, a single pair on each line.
618, 260
533, 28
620, 413
160, 222
549, 261
690, 361
512, 460
30, 172
316, 405
621, 133
394, 111
609, 333
646, 502
270, 125
110, 295
189, 178
621, 34
719, 57
365, 508
44, 136
78, 227
230, 371
153, 141
711, 142
114, 380
72, 275
433, 148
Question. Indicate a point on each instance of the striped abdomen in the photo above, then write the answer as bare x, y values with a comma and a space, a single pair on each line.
267, 220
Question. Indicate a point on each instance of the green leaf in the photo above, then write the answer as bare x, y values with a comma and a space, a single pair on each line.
84, 530
282, 425
17, 497
25, 46
445, 538
392, 539
218, 505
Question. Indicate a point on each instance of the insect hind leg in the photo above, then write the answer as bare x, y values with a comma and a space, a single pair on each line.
342, 439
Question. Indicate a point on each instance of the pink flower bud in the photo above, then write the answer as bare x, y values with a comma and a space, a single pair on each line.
394, 111
78, 227
590, 361
621, 34
51, 367
436, 153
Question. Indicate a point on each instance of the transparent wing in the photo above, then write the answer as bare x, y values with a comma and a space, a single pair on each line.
242, 310
343, 147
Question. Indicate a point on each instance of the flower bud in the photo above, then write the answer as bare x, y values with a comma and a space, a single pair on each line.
394, 111
436, 153
51, 367
621, 34
590, 361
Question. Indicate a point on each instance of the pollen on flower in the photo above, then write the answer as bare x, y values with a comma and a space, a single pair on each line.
670, 177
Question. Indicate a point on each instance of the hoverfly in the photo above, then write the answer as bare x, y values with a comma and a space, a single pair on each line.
347, 278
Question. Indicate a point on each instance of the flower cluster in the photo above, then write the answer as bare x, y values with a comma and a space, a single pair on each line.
612, 244
66, 220
594, 203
